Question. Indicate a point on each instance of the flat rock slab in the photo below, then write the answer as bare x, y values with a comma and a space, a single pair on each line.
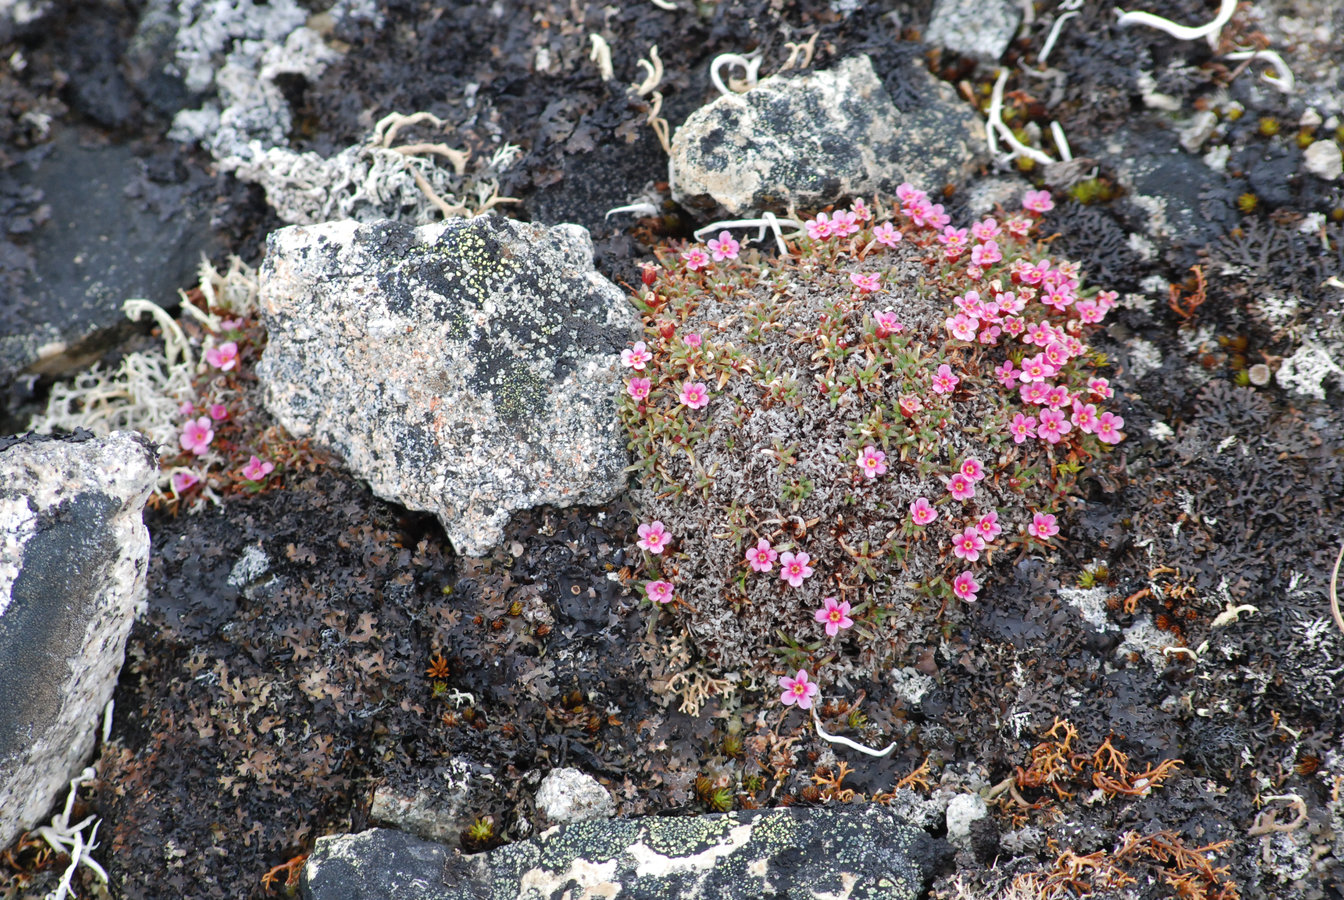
796, 853
73, 555
466, 368
813, 139
100, 232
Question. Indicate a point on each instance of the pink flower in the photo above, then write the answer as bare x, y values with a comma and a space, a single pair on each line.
197, 435
638, 388
986, 254
186, 408
1019, 228
218, 412
866, 283
1053, 426
1035, 392
834, 615
725, 247
1056, 354
973, 469
861, 212
1037, 202
695, 259
1100, 388
1058, 397
844, 223
961, 487
968, 545
820, 228
1006, 374
887, 235
988, 526
1043, 526
793, 568
659, 591
231, 324
635, 357
986, 230
1035, 369
184, 481
1108, 428
965, 587
953, 240
944, 382
908, 193
798, 690
1084, 416
1021, 428
1089, 312
694, 394
922, 511
910, 404
872, 462
961, 326
693, 340
887, 324
255, 470
223, 357
761, 557
653, 537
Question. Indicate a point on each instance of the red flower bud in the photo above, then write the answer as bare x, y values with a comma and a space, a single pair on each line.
649, 274
666, 329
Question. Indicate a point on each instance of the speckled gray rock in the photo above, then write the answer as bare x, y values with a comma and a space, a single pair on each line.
73, 556
979, 28
466, 368
439, 809
568, 795
795, 853
816, 138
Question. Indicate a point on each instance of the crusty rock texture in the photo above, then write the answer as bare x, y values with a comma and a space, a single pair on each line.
814, 139
466, 368
73, 556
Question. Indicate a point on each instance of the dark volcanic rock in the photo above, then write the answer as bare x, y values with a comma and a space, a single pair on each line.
846, 851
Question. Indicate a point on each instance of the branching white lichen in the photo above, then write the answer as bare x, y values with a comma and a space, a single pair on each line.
994, 124
653, 68
601, 54
750, 65
767, 222
1212, 30
1282, 79
804, 49
846, 742
66, 838
1053, 36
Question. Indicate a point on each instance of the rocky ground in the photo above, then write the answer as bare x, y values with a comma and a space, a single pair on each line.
310, 648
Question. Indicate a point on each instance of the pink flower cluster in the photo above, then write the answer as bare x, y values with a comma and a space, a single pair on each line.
793, 566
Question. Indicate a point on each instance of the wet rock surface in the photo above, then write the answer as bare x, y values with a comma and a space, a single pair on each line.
310, 648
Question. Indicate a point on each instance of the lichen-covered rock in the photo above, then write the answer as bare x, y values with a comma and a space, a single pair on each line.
812, 139
568, 795
465, 368
798, 853
73, 557
978, 28
438, 808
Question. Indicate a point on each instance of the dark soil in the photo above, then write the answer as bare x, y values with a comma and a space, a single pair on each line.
259, 710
